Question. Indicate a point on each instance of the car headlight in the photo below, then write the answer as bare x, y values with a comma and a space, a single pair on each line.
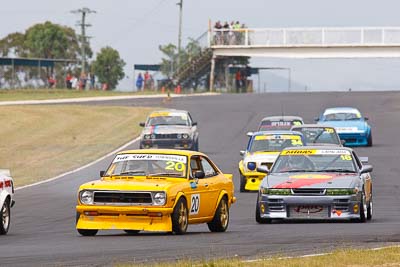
340, 191
159, 198
251, 166
274, 191
147, 136
86, 197
185, 136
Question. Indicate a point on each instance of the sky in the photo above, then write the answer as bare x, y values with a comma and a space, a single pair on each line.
136, 29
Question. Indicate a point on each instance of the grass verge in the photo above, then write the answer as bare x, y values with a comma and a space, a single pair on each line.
39, 142
386, 257
41, 94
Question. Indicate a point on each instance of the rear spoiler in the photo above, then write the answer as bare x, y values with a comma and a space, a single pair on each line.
364, 159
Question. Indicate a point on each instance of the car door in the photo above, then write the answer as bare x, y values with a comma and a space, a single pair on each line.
366, 179
213, 182
198, 195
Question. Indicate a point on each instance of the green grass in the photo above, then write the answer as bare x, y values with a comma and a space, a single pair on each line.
387, 257
41, 94
39, 142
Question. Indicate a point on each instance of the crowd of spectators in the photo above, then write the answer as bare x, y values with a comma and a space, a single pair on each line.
229, 33
145, 82
80, 83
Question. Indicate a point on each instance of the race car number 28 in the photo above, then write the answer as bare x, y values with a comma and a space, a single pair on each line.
195, 204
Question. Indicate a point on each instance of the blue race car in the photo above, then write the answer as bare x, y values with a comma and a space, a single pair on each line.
349, 124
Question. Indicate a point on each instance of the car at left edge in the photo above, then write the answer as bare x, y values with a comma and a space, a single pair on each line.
6, 200
156, 190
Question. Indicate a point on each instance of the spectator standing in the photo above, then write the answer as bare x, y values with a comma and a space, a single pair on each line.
51, 81
218, 33
243, 76
82, 81
226, 32
238, 79
68, 81
74, 82
139, 82
146, 79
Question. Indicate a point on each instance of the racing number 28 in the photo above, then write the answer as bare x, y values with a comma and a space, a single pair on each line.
175, 166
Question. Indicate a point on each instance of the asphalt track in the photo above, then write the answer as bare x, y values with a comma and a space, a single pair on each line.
43, 221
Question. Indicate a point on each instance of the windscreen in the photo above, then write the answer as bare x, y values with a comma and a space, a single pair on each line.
314, 161
148, 165
342, 116
319, 135
168, 118
274, 142
267, 125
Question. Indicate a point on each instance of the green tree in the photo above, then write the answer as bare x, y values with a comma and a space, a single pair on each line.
108, 67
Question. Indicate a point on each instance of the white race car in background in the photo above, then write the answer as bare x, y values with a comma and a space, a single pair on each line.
6, 200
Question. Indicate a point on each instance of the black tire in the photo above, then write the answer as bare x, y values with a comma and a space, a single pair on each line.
85, 232
180, 217
362, 218
369, 140
5, 217
220, 221
132, 232
258, 216
370, 210
242, 183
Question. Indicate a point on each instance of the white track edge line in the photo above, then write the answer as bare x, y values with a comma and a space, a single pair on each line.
80, 168
314, 255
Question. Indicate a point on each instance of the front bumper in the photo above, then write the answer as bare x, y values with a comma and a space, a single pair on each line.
354, 139
253, 180
167, 143
124, 218
309, 207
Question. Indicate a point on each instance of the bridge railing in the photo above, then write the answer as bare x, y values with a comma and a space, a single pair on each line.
302, 37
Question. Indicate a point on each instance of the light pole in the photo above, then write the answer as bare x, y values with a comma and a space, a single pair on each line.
180, 4
83, 36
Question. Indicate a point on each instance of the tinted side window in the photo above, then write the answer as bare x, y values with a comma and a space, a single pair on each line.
208, 169
358, 162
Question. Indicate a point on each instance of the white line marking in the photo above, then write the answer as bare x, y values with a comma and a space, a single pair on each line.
82, 167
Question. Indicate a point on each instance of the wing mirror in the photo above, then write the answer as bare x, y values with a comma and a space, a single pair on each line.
250, 134
366, 118
141, 124
102, 173
316, 119
366, 169
263, 169
199, 174
343, 142
242, 152
194, 124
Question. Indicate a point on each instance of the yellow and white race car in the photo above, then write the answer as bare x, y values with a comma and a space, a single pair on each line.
156, 190
262, 150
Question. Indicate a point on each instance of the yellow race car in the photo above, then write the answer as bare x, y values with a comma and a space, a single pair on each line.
262, 150
156, 190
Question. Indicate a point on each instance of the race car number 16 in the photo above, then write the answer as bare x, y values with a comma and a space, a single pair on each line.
194, 204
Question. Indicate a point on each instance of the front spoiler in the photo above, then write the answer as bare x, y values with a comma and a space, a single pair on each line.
253, 181
125, 218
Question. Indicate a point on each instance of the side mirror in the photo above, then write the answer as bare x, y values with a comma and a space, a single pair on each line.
263, 169
102, 173
366, 118
194, 124
199, 174
364, 159
250, 134
342, 142
242, 152
141, 124
366, 169
316, 119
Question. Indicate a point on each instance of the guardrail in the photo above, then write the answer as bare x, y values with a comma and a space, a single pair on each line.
303, 37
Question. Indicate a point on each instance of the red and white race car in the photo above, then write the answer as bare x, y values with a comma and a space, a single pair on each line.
6, 200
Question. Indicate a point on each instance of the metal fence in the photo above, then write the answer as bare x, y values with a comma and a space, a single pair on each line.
301, 37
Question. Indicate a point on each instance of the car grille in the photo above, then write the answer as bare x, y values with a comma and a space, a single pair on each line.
308, 212
276, 205
126, 198
308, 191
341, 204
166, 136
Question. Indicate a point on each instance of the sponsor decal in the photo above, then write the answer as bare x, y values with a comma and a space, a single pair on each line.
311, 176
127, 157
337, 212
315, 152
346, 129
275, 136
